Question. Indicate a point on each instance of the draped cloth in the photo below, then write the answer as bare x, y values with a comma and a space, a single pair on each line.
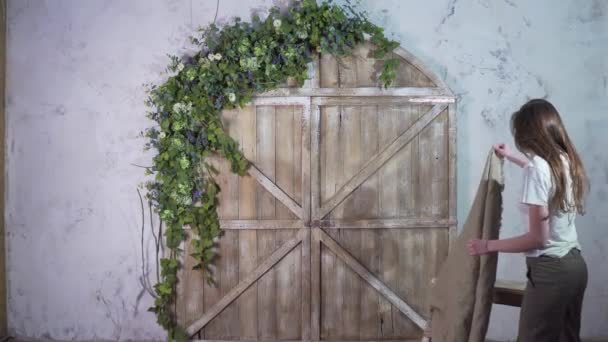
461, 296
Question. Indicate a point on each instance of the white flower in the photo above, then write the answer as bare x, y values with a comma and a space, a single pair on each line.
177, 107
182, 108
231, 97
162, 135
218, 56
211, 57
302, 35
180, 67
277, 23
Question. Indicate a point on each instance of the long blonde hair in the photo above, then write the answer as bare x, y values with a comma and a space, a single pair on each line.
537, 128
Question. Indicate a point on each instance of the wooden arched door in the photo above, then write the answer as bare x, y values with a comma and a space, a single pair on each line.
345, 215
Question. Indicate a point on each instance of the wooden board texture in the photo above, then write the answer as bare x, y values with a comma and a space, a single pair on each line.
343, 220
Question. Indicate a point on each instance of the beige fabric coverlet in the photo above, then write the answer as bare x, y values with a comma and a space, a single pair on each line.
461, 297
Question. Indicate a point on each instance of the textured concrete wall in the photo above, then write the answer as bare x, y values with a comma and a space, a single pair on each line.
74, 112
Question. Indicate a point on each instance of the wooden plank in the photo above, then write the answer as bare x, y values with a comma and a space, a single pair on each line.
316, 156
266, 160
366, 71
296, 178
330, 340
349, 150
328, 73
288, 289
315, 77
421, 255
349, 284
190, 299
440, 166
260, 224
331, 300
306, 205
452, 200
407, 241
253, 276
312, 80
3, 263
287, 271
281, 101
388, 209
420, 66
315, 244
227, 320
331, 273
275, 190
315, 284
304, 188
432, 193
362, 100
435, 258
247, 301
432, 99
289, 157
305, 277
229, 257
371, 279
379, 159
327, 90
509, 293
367, 203
408, 75
406, 165
285, 160
410, 245
347, 71
331, 166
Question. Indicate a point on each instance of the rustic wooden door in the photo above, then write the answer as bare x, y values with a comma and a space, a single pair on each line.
345, 215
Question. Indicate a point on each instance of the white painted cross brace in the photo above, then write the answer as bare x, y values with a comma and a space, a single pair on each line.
379, 159
366, 275
277, 192
251, 278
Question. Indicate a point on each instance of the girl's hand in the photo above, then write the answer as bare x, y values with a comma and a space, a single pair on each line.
502, 150
477, 247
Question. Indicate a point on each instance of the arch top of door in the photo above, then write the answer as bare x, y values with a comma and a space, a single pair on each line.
356, 75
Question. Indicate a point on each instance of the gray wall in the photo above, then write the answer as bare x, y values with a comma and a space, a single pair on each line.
74, 112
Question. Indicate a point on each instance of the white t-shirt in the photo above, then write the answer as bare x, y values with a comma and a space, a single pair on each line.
538, 189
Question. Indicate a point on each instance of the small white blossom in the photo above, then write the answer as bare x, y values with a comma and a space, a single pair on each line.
177, 107
211, 57
180, 67
277, 23
218, 56
231, 97
302, 35
182, 108
162, 135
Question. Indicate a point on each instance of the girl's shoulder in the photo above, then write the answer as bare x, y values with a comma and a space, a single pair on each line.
539, 164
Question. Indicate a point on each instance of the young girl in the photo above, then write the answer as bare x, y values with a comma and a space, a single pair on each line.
555, 185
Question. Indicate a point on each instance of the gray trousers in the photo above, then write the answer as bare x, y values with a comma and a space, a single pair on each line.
553, 299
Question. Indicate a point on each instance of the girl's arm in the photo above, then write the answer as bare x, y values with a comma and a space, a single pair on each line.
504, 151
536, 238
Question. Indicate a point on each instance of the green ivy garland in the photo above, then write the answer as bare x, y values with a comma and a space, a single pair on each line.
233, 64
